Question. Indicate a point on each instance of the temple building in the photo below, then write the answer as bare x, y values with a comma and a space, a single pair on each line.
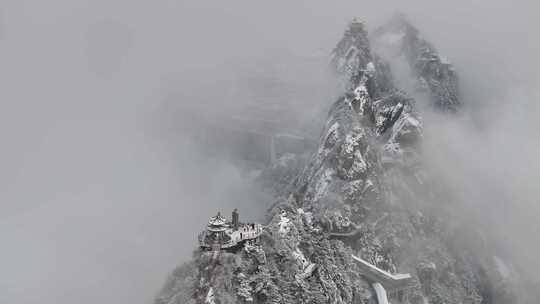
222, 234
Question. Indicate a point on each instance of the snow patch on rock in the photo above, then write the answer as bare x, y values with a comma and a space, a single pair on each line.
284, 223
210, 297
321, 188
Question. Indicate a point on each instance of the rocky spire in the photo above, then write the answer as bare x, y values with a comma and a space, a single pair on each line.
352, 53
434, 74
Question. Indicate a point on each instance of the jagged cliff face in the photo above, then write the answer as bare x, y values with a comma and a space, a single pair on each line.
430, 73
364, 192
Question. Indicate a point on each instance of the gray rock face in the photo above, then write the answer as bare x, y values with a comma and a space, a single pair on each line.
363, 192
434, 74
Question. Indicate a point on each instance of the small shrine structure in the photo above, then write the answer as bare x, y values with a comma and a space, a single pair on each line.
221, 234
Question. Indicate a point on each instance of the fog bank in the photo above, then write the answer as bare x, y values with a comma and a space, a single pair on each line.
102, 188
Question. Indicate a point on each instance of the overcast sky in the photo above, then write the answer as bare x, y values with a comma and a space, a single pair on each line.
99, 200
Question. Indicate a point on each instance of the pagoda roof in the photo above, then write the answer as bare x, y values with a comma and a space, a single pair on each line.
217, 220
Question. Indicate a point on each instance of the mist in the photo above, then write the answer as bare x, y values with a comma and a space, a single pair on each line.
103, 187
